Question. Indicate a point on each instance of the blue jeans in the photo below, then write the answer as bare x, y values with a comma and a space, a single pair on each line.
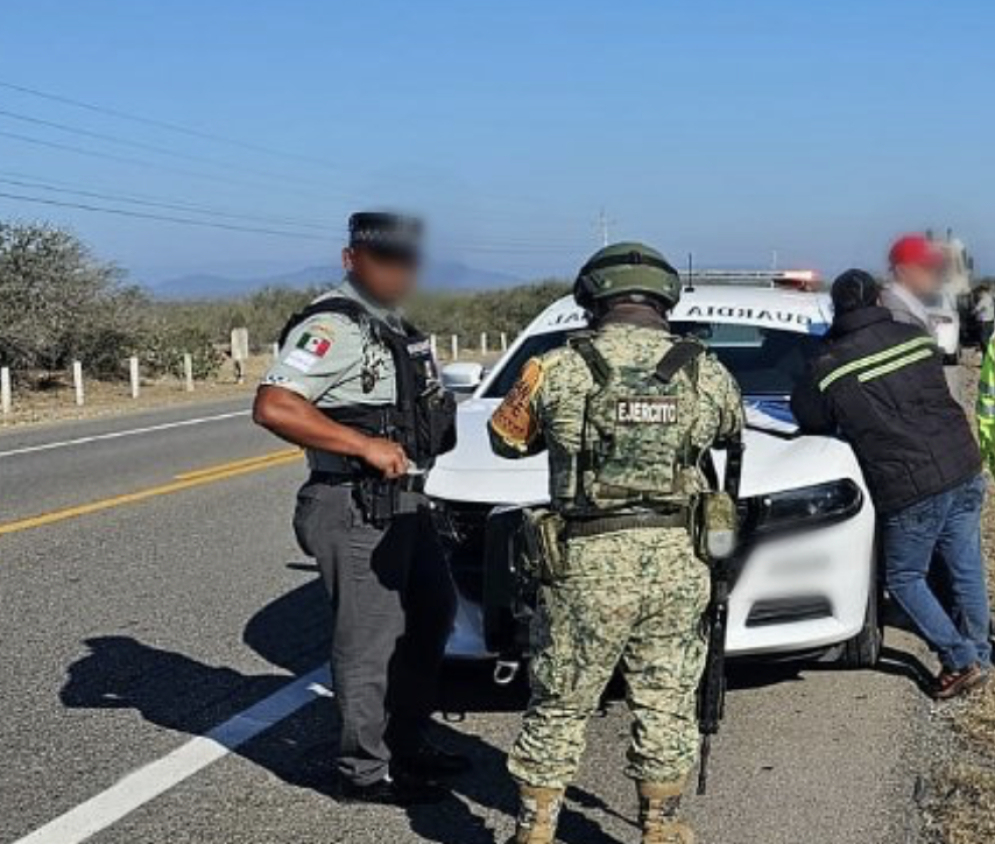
944, 530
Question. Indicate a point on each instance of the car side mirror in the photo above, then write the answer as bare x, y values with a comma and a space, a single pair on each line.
462, 377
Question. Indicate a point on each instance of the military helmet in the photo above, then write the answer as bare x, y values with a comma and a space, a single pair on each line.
627, 269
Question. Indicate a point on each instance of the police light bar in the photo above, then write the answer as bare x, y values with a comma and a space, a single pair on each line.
791, 279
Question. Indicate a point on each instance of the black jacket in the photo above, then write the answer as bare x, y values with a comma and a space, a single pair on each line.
881, 384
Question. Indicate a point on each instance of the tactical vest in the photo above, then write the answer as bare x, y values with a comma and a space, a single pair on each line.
636, 450
423, 417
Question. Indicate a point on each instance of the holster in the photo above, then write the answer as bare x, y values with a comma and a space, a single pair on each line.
377, 500
541, 549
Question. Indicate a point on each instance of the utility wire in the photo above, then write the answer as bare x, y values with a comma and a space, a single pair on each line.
126, 159
162, 124
186, 221
155, 165
189, 131
330, 231
141, 145
32, 182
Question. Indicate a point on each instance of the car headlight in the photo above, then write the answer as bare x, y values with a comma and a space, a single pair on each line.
803, 508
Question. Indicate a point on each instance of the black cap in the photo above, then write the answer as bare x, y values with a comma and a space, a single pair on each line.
387, 234
853, 290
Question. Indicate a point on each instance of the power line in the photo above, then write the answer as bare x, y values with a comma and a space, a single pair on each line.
128, 142
19, 180
189, 131
155, 165
162, 124
186, 221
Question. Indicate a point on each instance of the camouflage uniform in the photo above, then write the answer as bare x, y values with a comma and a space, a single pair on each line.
631, 598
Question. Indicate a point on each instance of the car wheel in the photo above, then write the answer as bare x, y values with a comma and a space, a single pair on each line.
864, 649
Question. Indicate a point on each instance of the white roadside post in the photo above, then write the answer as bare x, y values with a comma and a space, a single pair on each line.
504, 341
133, 374
276, 351
433, 343
454, 347
483, 342
188, 372
240, 352
5, 399
78, 382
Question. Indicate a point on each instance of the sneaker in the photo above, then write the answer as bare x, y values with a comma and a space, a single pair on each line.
429, 761
951, 684
394, 791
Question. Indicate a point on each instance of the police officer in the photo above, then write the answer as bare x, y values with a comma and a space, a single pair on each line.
627, 413
356, 386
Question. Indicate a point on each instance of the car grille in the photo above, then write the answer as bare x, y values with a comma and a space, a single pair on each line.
464, 537
788, 611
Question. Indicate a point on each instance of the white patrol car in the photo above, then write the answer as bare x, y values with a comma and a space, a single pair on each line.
806, 578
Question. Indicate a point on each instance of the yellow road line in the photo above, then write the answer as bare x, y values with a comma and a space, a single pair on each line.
236, 464
141, 495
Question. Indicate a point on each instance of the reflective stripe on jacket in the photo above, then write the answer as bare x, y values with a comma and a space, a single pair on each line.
881, 384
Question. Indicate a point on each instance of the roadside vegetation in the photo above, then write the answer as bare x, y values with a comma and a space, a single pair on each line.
963, 802
466, 315
59, 303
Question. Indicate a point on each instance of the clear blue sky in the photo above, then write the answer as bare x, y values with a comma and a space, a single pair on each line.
726, 128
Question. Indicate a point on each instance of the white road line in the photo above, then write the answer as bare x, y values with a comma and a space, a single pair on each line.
131, 432
150, 781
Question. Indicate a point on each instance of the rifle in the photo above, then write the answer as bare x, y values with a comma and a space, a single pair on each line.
712, 691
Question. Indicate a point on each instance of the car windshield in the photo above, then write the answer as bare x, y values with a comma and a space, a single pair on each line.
765, 361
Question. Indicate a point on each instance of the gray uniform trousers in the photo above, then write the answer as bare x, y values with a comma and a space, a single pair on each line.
394, 602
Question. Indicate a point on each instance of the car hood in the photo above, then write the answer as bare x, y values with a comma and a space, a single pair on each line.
775, 459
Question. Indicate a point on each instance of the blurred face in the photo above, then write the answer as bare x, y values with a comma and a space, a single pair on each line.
921, 280
387, 278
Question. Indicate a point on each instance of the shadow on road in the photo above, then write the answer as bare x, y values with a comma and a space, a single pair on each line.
179, 693
182, 694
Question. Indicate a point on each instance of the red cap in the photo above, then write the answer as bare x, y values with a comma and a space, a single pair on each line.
917, 250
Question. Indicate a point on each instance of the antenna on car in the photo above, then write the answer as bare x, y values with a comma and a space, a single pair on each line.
690, 274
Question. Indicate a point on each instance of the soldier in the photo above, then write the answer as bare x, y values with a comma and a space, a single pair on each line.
356, 386
628, 413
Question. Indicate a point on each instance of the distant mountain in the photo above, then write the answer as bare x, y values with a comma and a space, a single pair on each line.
444, 275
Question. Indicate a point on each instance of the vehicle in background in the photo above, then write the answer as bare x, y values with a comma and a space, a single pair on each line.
806, 581
945, 320
958, 284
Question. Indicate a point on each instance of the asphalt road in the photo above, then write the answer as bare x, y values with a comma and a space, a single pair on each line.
129, 633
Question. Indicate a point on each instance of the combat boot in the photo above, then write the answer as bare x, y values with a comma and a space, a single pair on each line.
658, 806
539, 809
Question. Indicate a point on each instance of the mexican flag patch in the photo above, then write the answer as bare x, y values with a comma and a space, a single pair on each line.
317, 346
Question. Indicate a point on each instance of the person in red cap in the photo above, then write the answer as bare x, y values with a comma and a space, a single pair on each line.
916, 275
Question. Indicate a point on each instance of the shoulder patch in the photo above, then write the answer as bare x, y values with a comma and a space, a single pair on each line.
514, 421
316, 342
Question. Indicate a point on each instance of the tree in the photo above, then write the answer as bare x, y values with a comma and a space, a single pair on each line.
58, 304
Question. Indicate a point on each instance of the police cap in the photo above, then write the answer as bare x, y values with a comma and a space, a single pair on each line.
627, 269
386, 234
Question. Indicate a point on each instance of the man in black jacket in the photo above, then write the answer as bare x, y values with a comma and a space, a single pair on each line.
881, 384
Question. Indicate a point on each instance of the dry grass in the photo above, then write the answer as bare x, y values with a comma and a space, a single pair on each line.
108, 398
964, 807
105, 398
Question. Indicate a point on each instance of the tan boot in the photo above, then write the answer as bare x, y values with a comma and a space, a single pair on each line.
539, 809
658, 806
